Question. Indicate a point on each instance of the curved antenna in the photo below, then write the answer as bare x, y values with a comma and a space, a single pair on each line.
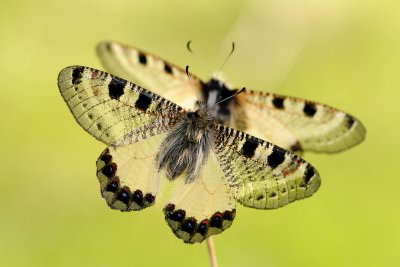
229, 97
191, 82
205, 66
229, 55
188, 46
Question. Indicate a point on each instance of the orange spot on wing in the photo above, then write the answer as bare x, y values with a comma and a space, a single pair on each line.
94, 73
96, 91
289, 171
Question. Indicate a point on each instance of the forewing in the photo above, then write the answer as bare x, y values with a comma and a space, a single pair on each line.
264, 175
152, 72
128, 176
113, 110
297, 124
201, 208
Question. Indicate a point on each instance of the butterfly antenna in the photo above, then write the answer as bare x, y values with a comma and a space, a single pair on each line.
229, 97
191, 82
202, 63
226, 59
188, 46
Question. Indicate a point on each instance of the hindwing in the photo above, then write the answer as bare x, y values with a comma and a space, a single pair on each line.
128, 176
203, 207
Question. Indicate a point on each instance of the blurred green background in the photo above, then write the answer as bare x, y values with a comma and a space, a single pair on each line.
343, 53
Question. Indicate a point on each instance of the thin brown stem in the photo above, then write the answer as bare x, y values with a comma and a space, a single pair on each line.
211, 252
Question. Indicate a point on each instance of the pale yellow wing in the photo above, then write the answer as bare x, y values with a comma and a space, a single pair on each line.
296, 124
151, 72
128, 176
201, 208
264, 175
113, 110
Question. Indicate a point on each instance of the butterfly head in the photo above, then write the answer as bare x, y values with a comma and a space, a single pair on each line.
219, 77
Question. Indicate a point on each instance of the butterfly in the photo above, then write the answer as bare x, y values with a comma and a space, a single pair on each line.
151, 139
292, 123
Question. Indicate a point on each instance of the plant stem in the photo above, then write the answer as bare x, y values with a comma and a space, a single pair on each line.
211, 252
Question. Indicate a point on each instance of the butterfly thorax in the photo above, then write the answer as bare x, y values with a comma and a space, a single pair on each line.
186, 147
214, 91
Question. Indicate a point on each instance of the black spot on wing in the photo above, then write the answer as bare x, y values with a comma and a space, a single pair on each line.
229, 215
77, 75
167, 68
259, 197
216, 220
142, 59
143, 102
309, 109
276, 157
106, 158
109, 170
149, 198
169, 208
249, 147
124, 195
202, 227
113, 185
309, 173
116, 87
108, 47
278, 102
137, 197
349, 121
177, 216
296, 147
189, 226
272, 194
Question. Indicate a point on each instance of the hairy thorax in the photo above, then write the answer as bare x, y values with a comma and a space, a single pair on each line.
214, 91
186, 147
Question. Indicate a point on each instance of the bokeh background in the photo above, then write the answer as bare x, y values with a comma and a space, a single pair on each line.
343, 53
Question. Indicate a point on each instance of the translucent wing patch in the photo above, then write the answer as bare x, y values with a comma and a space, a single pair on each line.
150, 71
203, 207
264, 175
297, 124
113, 110
127, 174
